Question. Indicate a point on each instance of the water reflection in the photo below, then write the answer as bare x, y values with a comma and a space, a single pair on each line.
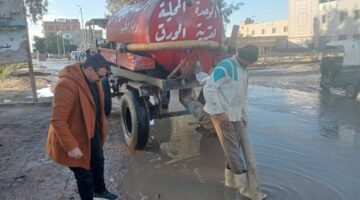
183, 144
187, 166
338, 118
306, 146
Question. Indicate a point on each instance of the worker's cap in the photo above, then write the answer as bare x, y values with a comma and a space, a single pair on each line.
249, 53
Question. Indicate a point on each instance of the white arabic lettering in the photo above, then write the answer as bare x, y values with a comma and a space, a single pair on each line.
163, 33
201, 34
211, 36
184, 32
211, 13
207, 13
197, 7
171, 12
169, 36
177, 33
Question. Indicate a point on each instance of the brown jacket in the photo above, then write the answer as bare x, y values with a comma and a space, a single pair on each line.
73, 118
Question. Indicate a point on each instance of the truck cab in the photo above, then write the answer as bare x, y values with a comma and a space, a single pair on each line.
340, 67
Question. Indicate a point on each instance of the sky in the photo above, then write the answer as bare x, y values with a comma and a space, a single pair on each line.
260, 10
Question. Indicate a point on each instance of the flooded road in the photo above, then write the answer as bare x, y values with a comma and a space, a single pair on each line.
306, 145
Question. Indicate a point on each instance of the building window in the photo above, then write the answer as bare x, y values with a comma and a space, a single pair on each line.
285, 29
274, 30
343, 16
342, 37
356, 36
263, 31
252, 32
325, 1
357, 14
323, 19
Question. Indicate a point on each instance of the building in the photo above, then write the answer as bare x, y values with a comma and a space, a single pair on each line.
311, 24
337, 20
301, 23
70, 29
268, 36
52, 28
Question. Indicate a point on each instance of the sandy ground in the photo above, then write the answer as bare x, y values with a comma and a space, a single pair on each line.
16, 87
25, 170
19, 89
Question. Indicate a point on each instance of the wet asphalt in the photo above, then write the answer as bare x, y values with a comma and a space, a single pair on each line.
306, 145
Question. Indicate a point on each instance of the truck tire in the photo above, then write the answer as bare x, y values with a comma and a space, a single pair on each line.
107, 96
351, 91
134, 120
325, 83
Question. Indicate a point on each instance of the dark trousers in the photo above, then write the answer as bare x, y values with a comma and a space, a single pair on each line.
89, 181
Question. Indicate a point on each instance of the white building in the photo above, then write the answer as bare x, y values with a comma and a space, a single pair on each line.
301, 23
311, 24
267, 29
337, 20
268, 36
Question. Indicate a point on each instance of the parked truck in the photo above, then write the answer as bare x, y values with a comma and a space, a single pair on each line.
154, 47
340, 67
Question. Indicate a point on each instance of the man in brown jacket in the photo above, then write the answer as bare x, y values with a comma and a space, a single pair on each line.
77, 129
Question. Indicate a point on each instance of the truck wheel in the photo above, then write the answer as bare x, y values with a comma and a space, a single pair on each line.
351, 91
325, 84
107, 96
134, 120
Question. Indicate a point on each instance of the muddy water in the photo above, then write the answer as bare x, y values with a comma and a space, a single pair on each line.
306, 145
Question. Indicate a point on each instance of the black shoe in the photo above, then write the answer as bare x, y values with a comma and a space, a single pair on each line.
105, 195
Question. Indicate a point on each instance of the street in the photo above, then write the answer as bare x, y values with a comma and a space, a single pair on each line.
306, 145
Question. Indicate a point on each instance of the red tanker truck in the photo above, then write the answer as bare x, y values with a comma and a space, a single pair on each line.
156, 46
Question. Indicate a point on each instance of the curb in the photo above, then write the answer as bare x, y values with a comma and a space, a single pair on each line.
43, 103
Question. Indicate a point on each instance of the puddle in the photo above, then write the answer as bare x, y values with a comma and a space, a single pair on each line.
306, 146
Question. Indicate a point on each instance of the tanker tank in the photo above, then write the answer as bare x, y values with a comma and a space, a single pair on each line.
162, 21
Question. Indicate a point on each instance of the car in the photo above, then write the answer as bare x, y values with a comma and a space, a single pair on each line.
78, 55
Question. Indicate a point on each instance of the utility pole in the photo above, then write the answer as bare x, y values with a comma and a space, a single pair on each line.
82, 27
63, 43
57, 42
29, 61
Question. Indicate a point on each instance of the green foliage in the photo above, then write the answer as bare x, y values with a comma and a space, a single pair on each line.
53, 44
39, 44
36, 9
227, 10
5, 70
113, 5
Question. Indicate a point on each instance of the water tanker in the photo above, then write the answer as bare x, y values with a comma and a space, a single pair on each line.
156, 46
169, 25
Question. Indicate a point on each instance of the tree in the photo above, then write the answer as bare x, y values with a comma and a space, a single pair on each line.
36, 9
53, 44
113, 5
39, 44
227, 9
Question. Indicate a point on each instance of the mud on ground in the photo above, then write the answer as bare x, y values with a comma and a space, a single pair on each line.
25, 170
15, 82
